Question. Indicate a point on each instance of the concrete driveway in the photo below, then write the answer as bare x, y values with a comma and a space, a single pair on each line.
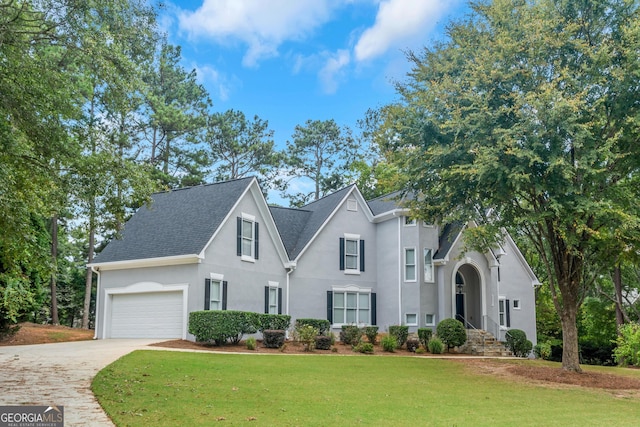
61, 374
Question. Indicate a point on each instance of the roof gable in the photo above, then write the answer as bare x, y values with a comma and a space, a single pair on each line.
177, 222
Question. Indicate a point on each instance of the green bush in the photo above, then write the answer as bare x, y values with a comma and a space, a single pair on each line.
274, 322
413, 344
364, 347
451, 332
518, 343
627, 351
220, 327
421, 350
322, 325
389, 343
424, 335
436, 346
251, 343
273, 338
350, 334
323, 342
371, 332
307, 335
542, 351
400, 333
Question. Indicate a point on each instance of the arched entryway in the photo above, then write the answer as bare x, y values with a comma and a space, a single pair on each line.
468, 296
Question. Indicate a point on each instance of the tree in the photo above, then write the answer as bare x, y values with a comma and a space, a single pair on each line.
240, 147
322, 152
176, 106
527, 117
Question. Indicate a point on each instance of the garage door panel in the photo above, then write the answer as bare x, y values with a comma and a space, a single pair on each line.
147, 315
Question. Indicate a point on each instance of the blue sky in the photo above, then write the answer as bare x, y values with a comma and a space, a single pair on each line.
292, 60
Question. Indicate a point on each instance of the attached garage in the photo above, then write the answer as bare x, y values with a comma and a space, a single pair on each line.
150, 314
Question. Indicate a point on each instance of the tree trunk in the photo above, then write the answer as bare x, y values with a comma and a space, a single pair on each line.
54, 272
617, 282
570, 350
89, 278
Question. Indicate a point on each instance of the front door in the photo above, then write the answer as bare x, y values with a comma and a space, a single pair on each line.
460, 308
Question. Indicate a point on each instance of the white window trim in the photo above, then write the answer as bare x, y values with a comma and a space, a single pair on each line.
513, 304
351, 289
504, 305
352, 205
215, 277
356, 238
433, 272
412, 221
252, 219
433, 319
406, 319
415, 265
273, 286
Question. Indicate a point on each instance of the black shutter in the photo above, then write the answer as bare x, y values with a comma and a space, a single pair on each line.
239, 240
330, 306
374, 316
207, 294
266, 299
256, 240
342, 253
506, 303
224, 295
361, 255
279, 300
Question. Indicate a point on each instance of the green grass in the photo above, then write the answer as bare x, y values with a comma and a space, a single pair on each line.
157, 388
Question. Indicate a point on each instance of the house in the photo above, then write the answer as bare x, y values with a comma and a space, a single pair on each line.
220, 246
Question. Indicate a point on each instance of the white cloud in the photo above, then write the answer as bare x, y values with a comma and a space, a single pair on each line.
398, 23
218, 84
333, 69
262, 25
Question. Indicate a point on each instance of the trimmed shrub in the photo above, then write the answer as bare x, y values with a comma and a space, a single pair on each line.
400, 333
251, 343
371, 332
518, 343
413, 344
350, 334
542, 351
436, 346
322, 325
272, 338
274, 322
323, 342
220, 327
421, 350
627, 351
307, 335
364, 347
389, 343
424, 335
451, 332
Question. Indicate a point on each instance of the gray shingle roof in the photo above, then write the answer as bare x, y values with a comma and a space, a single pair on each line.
446, 239
385, 203
178, 222
298, 226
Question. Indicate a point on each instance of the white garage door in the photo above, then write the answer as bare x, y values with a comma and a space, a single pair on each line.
147, 315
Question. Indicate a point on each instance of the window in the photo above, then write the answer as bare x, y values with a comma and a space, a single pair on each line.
351, 254
429, 320
215, 293
408, 221
410, 265
503, 311
428, 265
411, 319
351, 307
247, 245
516, 304
273, 298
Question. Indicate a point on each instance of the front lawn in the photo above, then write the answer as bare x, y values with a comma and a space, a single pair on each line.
164, 388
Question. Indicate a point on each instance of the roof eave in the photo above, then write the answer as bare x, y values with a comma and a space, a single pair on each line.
147, 262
